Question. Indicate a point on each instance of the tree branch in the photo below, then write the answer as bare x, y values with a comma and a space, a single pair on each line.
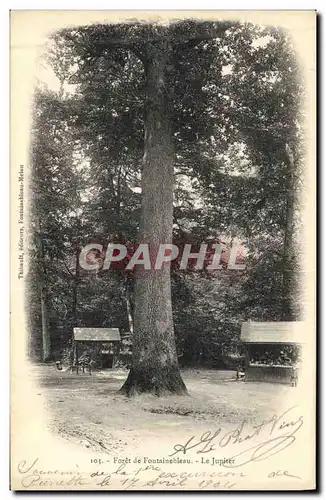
187, 35
71, 274
200, 32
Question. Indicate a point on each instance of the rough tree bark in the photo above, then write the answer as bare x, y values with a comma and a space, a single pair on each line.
288, 272
46, 339
46, 336
129, 311
75, 290
154, 359
75, 304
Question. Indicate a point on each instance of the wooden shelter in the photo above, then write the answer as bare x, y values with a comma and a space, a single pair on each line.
103, 335
272, 349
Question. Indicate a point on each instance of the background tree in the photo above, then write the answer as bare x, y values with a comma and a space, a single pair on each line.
54, 184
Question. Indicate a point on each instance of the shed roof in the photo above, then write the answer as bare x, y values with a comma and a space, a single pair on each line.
97, 334
273, 332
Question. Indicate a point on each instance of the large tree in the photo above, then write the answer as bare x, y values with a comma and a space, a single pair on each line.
191, 111
155, 363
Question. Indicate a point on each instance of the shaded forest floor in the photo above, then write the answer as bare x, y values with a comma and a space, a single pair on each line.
87, 410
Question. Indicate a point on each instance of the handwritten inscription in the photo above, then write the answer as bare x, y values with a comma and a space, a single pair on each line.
34, 477
125, 478
144, 477
255, 443
279, 430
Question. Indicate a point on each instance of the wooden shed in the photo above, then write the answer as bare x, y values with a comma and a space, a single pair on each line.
105, 336
272, 349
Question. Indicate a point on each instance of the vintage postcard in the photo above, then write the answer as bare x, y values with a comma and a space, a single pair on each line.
163, 250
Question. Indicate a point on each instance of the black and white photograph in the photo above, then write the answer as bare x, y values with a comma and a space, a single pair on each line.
163, 250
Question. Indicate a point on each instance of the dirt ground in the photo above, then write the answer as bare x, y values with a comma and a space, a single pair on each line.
88, 412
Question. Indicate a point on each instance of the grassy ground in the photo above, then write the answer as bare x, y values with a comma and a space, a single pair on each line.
88, 411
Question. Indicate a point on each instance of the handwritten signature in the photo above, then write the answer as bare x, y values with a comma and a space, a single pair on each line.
282, 473
282, 430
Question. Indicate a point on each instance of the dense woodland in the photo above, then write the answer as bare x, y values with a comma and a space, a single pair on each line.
216, 108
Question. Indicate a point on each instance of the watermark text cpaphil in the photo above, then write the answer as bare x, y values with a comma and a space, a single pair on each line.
210, 257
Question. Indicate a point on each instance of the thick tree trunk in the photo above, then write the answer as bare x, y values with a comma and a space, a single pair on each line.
129, 312
154, 359
288, 271
46, 335
74, 305
46, 338
75, 290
